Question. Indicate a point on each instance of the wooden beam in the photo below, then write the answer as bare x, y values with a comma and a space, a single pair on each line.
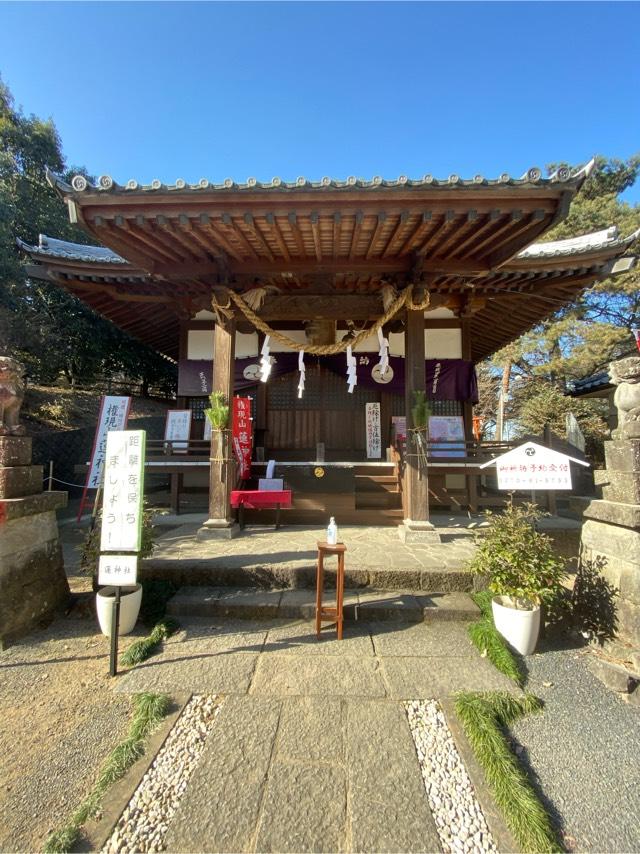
415, 481
315, 230
418, 233
224, 247
292, 219
522, 235
441, 228
337, 233
395, 234
257, 234
228, 222
275, 228
355, 235
382, 217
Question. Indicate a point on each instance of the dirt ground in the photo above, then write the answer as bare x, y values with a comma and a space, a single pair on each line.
59, 719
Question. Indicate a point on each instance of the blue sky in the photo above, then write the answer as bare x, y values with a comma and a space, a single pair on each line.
219, 90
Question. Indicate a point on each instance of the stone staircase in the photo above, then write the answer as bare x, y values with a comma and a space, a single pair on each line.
363, 605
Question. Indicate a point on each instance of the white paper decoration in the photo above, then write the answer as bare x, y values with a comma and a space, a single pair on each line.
265, 361
301, 368
352, 379
383, 353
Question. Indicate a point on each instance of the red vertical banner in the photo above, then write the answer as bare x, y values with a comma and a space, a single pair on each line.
242, 434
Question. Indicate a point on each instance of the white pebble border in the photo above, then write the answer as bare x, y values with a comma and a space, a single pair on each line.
458, 816
143, 825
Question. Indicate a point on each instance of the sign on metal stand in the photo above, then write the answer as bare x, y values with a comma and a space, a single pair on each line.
122, 512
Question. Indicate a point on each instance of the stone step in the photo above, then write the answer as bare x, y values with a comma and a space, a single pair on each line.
452, 577
252, 603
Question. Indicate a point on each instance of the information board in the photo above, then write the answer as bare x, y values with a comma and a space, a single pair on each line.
123, 491
446, 436
372, 422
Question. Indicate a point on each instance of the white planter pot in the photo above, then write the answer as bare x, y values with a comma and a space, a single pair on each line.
520, 628
130, 600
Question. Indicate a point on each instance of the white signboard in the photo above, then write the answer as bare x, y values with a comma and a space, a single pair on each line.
117, 570
178, 427
372, 421
532, 466
123, 491
114, 412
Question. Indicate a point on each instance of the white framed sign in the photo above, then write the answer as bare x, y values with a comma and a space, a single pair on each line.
532, 466
178, 427
372, 422
118, 570
123, 491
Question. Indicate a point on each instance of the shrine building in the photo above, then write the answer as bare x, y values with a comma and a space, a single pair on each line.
420, 279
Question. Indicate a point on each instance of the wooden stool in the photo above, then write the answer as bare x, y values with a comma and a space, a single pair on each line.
323, 613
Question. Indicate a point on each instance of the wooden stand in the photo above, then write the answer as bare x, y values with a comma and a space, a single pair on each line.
324, 613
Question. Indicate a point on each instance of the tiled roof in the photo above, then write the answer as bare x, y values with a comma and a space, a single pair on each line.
532, 177
49, 247
606, 239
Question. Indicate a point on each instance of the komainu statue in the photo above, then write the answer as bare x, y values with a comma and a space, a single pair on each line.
11, 396
625, 374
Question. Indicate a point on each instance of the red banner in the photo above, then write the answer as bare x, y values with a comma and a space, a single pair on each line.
242, 434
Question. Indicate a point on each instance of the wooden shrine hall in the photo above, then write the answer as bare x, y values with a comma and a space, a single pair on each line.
402, 286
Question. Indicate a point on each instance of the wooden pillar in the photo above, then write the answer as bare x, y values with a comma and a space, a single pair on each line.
220, 523
467, 412
416, 526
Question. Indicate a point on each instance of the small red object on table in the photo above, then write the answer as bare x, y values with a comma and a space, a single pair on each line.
260, 499
324, 613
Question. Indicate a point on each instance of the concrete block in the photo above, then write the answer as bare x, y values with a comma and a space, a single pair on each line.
612, 540
614, 512
28, 533
33, 586
18, 481
15, 450
623, 487
629, 621
623, 456
613, 675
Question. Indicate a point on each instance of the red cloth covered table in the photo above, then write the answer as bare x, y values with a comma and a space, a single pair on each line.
260, 499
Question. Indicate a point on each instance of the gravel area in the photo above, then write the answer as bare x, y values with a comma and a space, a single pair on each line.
59, 719
146, 819
458, 816
582, 753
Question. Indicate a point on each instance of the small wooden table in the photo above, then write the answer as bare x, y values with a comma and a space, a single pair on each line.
260, 499
325, 613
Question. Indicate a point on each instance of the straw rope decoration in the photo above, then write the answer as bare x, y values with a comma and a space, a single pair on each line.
404, 299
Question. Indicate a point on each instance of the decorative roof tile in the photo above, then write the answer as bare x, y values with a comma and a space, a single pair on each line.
608, 238
52, 248
532, 177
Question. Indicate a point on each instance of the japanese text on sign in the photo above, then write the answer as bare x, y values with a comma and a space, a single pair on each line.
372, 422
178, 427
117, 570
113, 416
123, 491
532, 466
242, 434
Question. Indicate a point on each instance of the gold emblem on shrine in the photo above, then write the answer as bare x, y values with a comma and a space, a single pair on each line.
318, 471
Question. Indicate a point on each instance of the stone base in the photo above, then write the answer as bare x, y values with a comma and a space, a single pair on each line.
412, 531
33, 584
614, 676
218, 529
622, 456
15, 450
613, 512
18, 481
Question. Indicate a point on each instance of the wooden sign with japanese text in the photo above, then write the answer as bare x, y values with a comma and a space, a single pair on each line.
372, 422
532, 466
114, 412
242, 435
123, 491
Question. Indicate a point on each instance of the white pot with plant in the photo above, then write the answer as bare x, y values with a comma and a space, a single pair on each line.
523, 572
130, 597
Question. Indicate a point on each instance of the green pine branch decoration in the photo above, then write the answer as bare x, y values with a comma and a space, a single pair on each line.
218, 412
420, 411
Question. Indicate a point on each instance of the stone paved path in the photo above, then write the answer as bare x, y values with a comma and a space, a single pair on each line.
312, 749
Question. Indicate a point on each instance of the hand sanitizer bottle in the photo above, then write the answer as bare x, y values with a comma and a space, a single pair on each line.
332, 533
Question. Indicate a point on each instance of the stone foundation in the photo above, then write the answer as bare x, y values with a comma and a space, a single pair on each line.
611, 538
33, 584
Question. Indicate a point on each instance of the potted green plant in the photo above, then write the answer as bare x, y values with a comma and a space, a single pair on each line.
523, 572
130, 597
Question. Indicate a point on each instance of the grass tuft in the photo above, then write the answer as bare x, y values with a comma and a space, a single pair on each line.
144, 648
148, 711
482, 716
488, 640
